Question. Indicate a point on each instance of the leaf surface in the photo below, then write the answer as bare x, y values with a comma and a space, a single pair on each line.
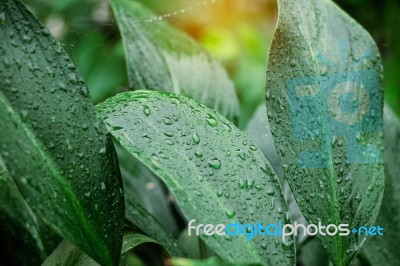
215, 173
55, 148
259, 131
21, 232
67, 254
159, 57
324, 99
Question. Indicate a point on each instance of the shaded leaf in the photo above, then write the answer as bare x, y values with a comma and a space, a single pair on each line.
142, 187
21, 232
141, 218
384, 250
259, 132
67, 254
2, 165
162, 58
146, 204
215, 173
324, 101
312, 253
54, 146
194, 246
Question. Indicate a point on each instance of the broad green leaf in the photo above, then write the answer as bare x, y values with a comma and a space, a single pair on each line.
215, 173
55, 148
259, 131
146, 203
142, 187
159, 57
324, 101
67, 254
384, 250
21, 232
141, 218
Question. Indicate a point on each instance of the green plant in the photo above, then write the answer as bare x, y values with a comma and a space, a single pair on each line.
100, 177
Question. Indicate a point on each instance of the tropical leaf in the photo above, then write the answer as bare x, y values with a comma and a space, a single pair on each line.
324, 100
162, 58
56, 150
215, 173
142, 187
21, 232
259, 131
140, 217
68, 254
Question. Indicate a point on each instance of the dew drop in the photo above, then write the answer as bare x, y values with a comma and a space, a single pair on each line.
146, 111
230, 213
196, 138
215, 163
211, 121
167, 121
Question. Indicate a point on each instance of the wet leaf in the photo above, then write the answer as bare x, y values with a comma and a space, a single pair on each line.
159, 57
384, 250
215, 173
56, 150
324, 101
259, 131
67, 254
21, 232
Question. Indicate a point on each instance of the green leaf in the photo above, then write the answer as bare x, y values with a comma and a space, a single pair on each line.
324, 101
162, 58
146, 203
194, 246
55, 148
383, 250
140, 217
67, 254
215, 173
259, 131
142, 187
21, 232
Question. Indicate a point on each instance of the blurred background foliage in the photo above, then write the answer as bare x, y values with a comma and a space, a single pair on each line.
237, 32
